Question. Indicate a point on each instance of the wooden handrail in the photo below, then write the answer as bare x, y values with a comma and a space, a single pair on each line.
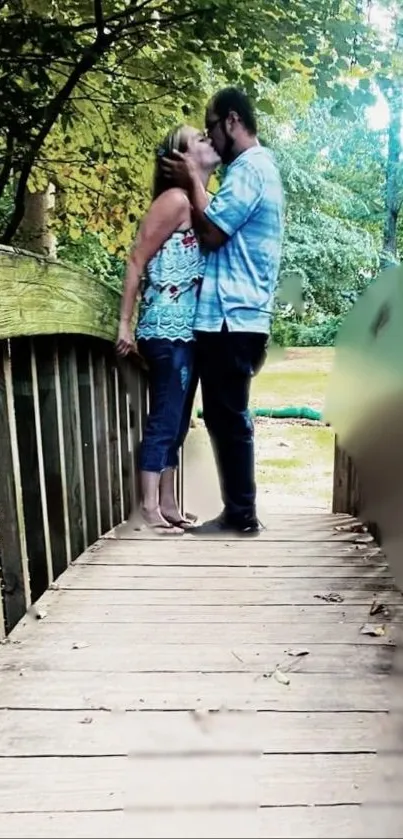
68, 433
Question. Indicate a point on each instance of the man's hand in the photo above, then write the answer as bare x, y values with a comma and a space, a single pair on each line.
183, 169
185, 172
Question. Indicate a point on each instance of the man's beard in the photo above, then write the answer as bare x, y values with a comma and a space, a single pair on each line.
227, 154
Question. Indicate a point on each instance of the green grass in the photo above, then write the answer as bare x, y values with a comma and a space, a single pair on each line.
294, 459
298, 377
285, 389
280, 463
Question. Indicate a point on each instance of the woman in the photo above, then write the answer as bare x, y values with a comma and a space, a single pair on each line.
166, 251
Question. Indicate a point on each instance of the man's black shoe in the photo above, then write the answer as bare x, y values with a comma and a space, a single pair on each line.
221, 526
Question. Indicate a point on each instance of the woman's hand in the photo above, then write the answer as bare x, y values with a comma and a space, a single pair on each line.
125, 344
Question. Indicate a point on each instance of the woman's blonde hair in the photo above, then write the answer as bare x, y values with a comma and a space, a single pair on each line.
176, 140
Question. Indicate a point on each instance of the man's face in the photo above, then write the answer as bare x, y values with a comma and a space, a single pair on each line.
218, 132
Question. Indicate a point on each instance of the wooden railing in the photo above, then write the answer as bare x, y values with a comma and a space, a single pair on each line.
365, 406
68, 428
346, 487
67, 436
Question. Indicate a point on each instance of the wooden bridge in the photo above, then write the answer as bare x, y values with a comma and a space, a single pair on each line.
181, 687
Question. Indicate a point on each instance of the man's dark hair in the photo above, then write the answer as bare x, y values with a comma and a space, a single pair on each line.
232, 99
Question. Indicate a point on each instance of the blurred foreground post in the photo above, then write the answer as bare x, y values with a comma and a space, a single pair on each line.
365, 407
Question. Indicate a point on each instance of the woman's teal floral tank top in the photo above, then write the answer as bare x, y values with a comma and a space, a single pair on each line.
170, 289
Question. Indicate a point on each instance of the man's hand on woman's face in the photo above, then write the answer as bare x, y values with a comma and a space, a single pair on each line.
182, 168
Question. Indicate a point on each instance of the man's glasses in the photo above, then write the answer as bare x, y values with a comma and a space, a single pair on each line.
211, 124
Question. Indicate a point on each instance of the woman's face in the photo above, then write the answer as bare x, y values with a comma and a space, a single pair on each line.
199, 147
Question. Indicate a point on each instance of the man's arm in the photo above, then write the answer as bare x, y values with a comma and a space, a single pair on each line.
186, 174
210, 235
230, 207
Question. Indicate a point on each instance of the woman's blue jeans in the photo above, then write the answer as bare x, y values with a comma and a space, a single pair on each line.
172, 387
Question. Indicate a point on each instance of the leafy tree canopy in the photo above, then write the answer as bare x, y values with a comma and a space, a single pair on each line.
332, 234
87, 85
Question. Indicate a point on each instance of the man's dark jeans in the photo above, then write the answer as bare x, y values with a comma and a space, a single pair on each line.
226, 362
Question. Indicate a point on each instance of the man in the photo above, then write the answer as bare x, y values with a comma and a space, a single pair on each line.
241, 229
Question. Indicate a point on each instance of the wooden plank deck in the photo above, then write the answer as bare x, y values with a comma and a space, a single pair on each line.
172, 688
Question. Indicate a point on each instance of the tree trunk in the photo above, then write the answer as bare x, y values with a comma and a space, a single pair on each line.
35, 233
392, 196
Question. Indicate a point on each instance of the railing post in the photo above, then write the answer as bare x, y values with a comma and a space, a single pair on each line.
346, 487
94, 442
13, 547
102, 429
136, 406
341, 479
41, 467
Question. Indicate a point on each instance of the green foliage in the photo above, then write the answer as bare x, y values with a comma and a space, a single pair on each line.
87, 87
6, 204
294, 333
331, 235
332, 257
89, 253
333, 177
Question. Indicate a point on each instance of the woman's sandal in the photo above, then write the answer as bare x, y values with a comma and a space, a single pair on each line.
161, 528
168, 529
186, 522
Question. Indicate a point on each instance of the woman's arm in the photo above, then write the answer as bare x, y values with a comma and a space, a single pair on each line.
170, 211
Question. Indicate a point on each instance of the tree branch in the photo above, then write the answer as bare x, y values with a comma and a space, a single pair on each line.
99, 17
83, 186
53, 111
109, 71
162, 22
8, 162
131, 8
128, 103
54, 108
106, 125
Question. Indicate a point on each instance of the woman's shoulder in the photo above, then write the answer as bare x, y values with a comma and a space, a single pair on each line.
173, 199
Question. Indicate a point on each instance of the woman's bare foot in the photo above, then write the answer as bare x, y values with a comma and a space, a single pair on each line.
174, 517
154, 520
168, 504
150, 511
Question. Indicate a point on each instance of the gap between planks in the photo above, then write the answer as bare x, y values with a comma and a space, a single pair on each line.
303, 822
70, 733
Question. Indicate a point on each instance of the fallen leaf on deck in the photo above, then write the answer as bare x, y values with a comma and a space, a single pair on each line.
351, 528
332, 597
298, 653
371, 629
375, 607
379, 608
281, 677
79, 645
37, 614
